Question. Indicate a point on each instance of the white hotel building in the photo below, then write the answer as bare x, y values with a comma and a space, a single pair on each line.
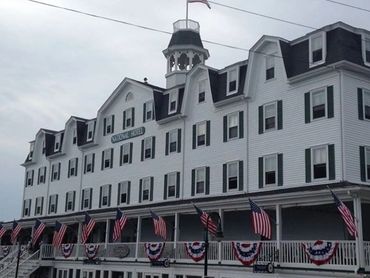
278, 128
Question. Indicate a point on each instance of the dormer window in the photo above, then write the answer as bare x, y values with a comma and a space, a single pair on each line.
109, 125
30, 155
90, 131
43, 146
366, 49
57, 142
270, 67
74, 136
232, 77
317, 45
172, 100
202, 91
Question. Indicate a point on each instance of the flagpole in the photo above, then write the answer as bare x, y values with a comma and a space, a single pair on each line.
187, 13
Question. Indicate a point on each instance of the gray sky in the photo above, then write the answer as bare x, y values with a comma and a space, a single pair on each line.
54, 64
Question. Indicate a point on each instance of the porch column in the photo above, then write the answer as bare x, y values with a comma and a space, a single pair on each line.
357, 209
138, 236
79, 231
176, 230
279, 227
107, 230
221, 213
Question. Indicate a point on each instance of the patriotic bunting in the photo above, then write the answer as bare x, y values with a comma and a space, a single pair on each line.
346, 215
37, 231
66, 250
320, 252
154, 250
2, 231
195, 250
87, 228
59, 232
160, 227
246, 252
261, 221
119, 224
91, 250
15, 231
204, 217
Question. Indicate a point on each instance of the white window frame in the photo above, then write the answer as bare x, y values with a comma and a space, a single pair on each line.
365, 94
367, 154
104, 193
107, 157
204, 180
264, 116
173, 175
327, 162
43, 145
151, 147
197, 134
29, 177
74, 135
73, 165
323, 39
126, 148
86, 196
89, 161
109, 123
365, 39
148, 104
27, 205
42, 175
90, 128
270, 57
237, 175
173, 131
69, 200
324, 90
129, 112
123, 189
145, 183
173, 96
38, 206
53, 201
229, 126
202, 88
57, 144
228, 92
55, 170
32, 148
274, 156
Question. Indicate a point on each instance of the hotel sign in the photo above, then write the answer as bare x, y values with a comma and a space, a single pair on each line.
128, 135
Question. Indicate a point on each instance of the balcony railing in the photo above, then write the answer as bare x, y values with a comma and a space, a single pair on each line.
291, 254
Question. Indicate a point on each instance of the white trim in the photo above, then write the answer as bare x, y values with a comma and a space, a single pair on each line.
324, 89
237, 176
228, 126
264, 116
90, 127
123, 185
68, 196
149, 103
228, 93
151, 148
168, 184
321, 34
196, 134
275, 155
142, 189
176, 131
270, 55
87, 193
326, 146
365, 38
104, 187
203, 91
196, 178
174, 95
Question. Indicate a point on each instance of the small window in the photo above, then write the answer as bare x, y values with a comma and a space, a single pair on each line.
173, 140
148, 146
202, 91
200, 180
146, 189
29, 178
173, 98
72, 170
171, 185
201, 130
232, 81
32, 147
367, 104
317, 48
233, 126
53, 203
366, 49
107, 159
105, 195
270, 171
55, 171
109, 124
368, 163
70, 201
90, 131
86, 198
27, 207
232, 175
270, 67
125, 152
128, 117
38, 208
270, 116
89, 163
318, 104
42, 175
123, 192
148, 111
57, 142
320, 165
43, 146
74, 136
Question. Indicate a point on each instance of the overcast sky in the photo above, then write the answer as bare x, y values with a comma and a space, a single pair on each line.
54, 63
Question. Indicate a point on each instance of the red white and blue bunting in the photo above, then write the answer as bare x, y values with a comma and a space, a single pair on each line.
91, 250
320, 252
195, 250
154, 250
66, 250
6, 250
246, 252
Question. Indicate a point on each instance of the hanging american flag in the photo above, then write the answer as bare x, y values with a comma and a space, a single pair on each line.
15, 232
346, 216
37, 231
204, 217
160, 227
59, 232
2, 231
261, 220
119, 224
87, 228
200, 1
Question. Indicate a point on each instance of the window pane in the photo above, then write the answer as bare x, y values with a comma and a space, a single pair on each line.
233, 120
319, 155
270, 62
202, 86
316, 43
202, 129
270, 110
318, 98
232, 75
270, 163
200, 174
233, 169
368, 156
367, 98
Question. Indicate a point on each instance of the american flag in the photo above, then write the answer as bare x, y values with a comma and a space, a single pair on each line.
160, 228
37, 231
2, 231
346, 216
15, 232
60, 230
87, 228
200, 1
261, 221
119, 224
212, 227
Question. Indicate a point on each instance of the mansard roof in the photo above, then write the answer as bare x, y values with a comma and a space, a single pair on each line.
185, 37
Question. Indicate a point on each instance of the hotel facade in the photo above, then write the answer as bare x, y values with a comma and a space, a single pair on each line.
280, 128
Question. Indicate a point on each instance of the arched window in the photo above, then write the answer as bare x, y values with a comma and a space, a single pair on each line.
196, 60
172, 64
129, 97
184, 62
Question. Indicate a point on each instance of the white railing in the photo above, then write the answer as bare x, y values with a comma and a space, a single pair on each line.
185, 24
367, 253
23, 259
267, 253
47, 251
292, 252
